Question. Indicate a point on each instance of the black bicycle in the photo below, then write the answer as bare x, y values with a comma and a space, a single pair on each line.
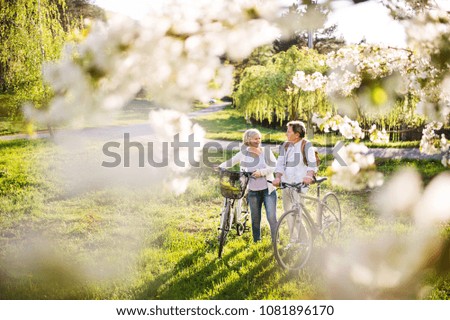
235, 212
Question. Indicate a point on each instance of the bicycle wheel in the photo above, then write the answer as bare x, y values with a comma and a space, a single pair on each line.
294, 240
241, 216
331, 218
225, 225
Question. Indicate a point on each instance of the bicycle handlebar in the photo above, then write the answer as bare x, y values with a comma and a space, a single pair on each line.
297, 186
245, 173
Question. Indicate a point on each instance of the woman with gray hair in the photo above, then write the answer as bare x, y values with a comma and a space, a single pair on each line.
253, 158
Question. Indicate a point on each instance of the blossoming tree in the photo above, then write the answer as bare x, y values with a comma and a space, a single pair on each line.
176, 54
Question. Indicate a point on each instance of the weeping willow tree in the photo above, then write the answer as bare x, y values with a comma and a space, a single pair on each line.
267, 93
31, 33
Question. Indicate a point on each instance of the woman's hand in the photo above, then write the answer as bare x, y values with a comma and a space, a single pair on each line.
308, 180
276, 182
257, 174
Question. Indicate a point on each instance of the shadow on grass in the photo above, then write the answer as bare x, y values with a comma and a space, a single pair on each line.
246, 272
18, 143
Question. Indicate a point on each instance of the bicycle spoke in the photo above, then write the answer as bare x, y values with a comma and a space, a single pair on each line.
294, 240
331, 218
226, 223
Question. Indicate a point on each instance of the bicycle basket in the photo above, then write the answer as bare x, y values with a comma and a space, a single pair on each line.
233, 184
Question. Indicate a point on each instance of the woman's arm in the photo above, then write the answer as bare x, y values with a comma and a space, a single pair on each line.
232, 162
270, 164
280, 167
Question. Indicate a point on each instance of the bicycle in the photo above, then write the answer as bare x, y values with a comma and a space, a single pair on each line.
235, 212
296, 229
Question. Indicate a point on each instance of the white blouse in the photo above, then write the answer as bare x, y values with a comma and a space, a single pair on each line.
248, 162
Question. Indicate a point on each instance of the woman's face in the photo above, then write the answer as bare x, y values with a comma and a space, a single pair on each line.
255, 141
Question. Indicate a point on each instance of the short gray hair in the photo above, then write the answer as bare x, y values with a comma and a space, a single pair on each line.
297, 127
250, 133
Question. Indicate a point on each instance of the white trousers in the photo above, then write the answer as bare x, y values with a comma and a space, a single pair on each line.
296, 229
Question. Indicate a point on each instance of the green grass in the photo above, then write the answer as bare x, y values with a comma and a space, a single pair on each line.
8, 126
138, 243
427, 169
229, 124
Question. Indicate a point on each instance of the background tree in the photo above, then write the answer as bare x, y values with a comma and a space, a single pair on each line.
33, 32
325, 41
30, 34
266, 92
305, 19
259, 57
77, 10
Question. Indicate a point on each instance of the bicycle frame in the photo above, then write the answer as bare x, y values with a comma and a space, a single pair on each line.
300, 207
232, 217
297, 230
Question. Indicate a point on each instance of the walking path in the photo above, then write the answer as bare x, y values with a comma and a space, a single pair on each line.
141, 131
388, 153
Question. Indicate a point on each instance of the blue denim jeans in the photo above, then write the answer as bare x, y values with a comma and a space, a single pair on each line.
255, 201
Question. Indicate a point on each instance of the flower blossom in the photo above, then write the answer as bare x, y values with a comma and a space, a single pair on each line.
162, 54
430, 142
357, 170
310, 82
348, 128
445, 160
387, 264
377, 136
434, 207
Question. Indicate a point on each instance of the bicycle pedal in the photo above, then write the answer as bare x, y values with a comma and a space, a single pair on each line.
247, 229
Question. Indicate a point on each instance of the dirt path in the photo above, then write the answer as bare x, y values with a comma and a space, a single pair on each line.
140, 132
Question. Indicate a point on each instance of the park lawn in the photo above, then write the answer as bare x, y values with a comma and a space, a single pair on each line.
140, 243
230, 124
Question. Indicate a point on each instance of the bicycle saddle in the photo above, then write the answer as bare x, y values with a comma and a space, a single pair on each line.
320, 179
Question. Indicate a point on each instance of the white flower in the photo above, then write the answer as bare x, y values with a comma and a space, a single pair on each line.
445, 160
174, 53
430, 142
384, 265
378, 136
310, 82
355, 169
179, 185
350, 129
434, 206
346, 130
400, 194
444, 143
169, 125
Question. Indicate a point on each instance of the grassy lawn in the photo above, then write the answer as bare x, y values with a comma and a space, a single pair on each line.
229, 124
140, 243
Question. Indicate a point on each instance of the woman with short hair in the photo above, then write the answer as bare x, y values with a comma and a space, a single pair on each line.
253, 158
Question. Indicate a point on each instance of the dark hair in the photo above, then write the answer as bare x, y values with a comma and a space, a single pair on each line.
297, 127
